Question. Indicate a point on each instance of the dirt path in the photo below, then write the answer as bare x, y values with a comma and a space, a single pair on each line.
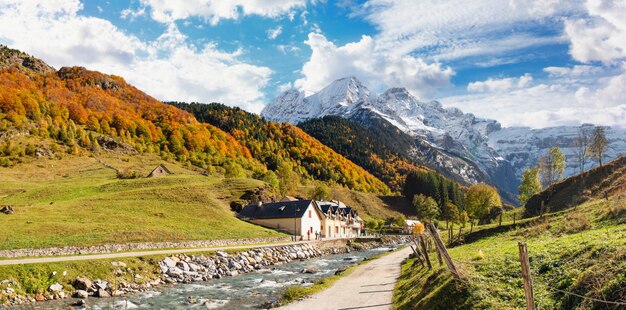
369, 286
135, 254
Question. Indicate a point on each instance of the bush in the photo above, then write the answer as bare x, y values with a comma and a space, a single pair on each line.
127, 174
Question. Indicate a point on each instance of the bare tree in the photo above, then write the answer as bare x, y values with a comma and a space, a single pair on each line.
598, 144
581, 151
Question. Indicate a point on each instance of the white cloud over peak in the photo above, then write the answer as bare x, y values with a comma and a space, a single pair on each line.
373, 67
168, 68
213, 11
500, 85
602, 35
570, 96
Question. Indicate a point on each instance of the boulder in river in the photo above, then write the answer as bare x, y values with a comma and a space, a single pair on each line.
82, 283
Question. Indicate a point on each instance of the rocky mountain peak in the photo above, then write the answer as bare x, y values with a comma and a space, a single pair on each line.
11, 58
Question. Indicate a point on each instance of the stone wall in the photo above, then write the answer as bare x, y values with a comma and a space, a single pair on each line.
112, 248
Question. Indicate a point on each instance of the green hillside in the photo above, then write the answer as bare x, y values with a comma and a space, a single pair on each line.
578, 251
80, 201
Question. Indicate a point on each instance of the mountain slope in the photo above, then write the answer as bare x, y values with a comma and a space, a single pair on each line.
84, 111
368, 150
444, 139
460, 145
270, 143
599, 182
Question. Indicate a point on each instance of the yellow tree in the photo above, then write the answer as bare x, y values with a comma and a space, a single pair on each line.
479, 200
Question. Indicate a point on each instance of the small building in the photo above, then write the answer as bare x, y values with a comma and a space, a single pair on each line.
159, 171
409, 224
339, 220
294, 217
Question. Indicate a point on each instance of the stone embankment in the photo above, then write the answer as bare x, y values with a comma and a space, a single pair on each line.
112, 248
183, 268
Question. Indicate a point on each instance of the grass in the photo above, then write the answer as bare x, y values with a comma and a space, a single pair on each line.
581, 250
77, 201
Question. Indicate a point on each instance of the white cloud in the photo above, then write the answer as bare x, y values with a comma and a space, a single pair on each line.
131, 14
273, 33
602, 35
376, 69
168, 68
571, 96
213, 11
447, 29
574, 72
500, 85
285, 87
287, 48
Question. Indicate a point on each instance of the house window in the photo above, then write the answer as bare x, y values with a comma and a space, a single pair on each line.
310, 214
337, 229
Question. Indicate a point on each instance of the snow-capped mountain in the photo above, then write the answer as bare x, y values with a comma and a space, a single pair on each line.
522, 146
465, 147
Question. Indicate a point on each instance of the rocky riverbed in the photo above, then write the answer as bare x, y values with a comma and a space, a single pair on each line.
186, 269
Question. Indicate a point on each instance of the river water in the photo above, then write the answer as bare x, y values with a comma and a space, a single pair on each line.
245, 291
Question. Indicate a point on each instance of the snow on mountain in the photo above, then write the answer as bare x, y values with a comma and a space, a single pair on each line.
469, 148
522, 146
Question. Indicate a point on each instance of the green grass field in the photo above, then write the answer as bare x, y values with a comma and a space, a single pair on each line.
581, 250
78, 201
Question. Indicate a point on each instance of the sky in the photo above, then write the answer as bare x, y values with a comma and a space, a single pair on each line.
536, 63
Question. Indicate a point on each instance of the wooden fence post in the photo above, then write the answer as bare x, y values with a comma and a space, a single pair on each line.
528, 281
425, 252
500, 223
442, 248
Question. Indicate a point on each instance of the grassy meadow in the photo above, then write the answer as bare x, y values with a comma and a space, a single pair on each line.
580, 250
79, 201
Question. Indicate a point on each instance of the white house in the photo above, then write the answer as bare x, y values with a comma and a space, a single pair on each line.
302, 218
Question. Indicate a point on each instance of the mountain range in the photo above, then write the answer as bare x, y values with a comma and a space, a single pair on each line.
460, 145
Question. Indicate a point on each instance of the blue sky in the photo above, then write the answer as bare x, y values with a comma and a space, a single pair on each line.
531, 63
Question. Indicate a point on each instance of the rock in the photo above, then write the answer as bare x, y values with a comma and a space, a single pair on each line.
174, 272
137, 277
221, 254
81, 294
100, 284
56, 287
183, 266
103, 293
340, 270
169, 262
312, 270
79, 303
194, 267
40, 297
7, 210
300, 255
118, 264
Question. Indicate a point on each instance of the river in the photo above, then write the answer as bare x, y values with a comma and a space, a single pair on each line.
245, 291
